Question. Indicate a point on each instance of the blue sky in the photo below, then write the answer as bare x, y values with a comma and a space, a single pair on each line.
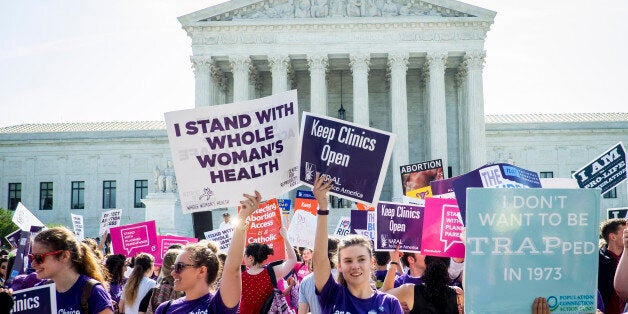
121, 60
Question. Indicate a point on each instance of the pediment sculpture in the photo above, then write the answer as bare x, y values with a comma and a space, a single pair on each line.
337, 8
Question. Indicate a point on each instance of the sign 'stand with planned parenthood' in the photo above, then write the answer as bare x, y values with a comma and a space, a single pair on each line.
531, 243
354, 157
220, 152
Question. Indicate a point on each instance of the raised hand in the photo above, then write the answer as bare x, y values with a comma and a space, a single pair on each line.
320, 190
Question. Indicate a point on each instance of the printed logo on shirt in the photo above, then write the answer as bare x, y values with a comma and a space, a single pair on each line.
198, 312
64, 311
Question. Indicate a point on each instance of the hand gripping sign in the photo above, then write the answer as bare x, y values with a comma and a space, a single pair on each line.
135, 238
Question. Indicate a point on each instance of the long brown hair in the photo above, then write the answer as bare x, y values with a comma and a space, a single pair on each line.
83, 259
143, 263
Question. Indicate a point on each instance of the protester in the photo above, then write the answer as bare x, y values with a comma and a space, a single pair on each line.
416, 266
308, 301
256, 284
6, 301
433, 294
58, 256
115, 265
609, 254
304, 267
353, 293
139, 283
164, 291
621, 276
196, 269
4, 264
226, 223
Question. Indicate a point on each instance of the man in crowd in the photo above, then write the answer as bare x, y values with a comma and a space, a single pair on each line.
612, 231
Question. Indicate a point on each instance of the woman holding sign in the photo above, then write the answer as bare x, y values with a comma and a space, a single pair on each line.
196, 269
353, 293
58, 256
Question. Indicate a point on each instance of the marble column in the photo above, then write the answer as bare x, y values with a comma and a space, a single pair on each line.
398, 64
318, 91
474, 62
240, 67
279, 72
437, 107
461, 88
203, 82
360, 67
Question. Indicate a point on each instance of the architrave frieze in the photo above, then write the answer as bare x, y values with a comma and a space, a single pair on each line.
283, 34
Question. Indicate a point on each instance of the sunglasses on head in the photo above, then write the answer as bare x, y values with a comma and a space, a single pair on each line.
179, 267
40, 258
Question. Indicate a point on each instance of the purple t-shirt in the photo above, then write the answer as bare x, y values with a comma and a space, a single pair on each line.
406, 278
115, 290
69, 302
198, 306
335, 298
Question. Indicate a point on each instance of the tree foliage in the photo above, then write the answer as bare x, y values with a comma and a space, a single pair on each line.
6, 225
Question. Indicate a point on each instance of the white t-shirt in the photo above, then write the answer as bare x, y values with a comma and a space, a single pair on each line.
145, 285
225, 225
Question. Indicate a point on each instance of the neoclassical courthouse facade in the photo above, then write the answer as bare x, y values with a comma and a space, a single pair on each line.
410, 67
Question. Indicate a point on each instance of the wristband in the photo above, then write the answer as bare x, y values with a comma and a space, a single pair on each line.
394, 263
323, 212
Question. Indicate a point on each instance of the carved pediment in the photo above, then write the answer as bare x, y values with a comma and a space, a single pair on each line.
310, 9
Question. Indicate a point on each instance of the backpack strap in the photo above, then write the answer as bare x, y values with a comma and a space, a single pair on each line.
271, 272
167, 306
87, 293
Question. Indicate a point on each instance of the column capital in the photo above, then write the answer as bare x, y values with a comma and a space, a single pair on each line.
360, 61
436, 60
317, 62
398, 60
240, 63
279, 62
461, 75
201, 64
474, 60
200, 60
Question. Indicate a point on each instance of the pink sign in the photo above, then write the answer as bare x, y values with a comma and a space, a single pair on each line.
164, 241
135, 238
441, 228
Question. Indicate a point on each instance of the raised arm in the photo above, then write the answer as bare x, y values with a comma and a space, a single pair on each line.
389, 280
621, 275
291, 257
231, 282
320, 261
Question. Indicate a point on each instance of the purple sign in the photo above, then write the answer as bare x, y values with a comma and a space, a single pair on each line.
13, 237
355, 158
399, 224
443, 188
363, 222
135, 238
493, 176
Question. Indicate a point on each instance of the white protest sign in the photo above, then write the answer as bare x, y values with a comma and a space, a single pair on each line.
24, 219
77, 223
302, 229
222, 236
344, 227
109, 219
219, 152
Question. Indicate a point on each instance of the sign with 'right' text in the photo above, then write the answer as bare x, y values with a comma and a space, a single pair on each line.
531, 243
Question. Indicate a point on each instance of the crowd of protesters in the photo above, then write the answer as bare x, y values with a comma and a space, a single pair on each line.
335, 276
